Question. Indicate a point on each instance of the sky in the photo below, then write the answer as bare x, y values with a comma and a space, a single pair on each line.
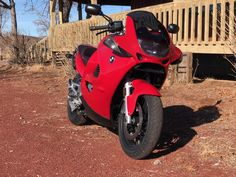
26, 19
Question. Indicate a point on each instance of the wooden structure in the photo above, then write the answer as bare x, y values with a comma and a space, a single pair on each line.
206, 26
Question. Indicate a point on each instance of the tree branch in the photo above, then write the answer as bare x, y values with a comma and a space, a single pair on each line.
4, 5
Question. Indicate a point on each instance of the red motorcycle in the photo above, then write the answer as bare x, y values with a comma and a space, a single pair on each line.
118, 83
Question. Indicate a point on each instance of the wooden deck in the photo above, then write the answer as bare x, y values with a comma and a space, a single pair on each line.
206, 26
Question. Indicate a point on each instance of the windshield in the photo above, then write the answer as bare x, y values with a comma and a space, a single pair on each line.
151, 34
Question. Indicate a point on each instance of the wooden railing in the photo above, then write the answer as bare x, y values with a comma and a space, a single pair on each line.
39, 52
206, 26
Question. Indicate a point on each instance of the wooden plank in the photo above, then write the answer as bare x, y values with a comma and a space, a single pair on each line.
210, 49
231, 20
193, 24
214, 21
186, 25
165, 18
222, 30
184, 69
158, 16
199, 22
207, 23
175, 22
170, 17
60, 12
180, 25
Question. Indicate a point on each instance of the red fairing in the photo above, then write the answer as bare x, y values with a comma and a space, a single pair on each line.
104, 86
109, 78
79, 64
141, 87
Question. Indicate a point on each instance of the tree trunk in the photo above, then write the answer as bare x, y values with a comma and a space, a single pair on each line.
14, 29
80, 17
1, 16
67, 4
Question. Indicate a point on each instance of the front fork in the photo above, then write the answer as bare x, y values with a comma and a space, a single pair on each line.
127, 90
132, 91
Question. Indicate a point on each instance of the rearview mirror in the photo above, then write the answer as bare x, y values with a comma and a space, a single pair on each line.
173, 28
93, 9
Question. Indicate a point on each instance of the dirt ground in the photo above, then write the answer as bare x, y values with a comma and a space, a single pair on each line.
36, 139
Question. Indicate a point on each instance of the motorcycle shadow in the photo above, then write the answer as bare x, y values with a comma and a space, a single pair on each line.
178, 125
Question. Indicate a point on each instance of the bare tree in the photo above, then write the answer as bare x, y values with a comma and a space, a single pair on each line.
67, 4
1, 18
3, 14
43, 25
41, 9
14, 28
11, 7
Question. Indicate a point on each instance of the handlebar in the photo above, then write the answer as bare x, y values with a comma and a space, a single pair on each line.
93, 28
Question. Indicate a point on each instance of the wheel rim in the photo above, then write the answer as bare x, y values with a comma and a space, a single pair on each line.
135, 132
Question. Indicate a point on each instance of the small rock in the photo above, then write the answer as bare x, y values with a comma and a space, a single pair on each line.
157, 162
216, 164
60, 103
11, 151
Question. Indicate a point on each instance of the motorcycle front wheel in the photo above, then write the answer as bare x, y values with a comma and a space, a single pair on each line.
140, 138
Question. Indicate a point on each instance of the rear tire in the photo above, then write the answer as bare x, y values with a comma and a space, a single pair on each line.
76, 117
139, 139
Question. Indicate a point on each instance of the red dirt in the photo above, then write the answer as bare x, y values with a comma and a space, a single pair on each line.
36, 139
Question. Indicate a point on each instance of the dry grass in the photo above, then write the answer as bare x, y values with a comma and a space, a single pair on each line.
35, 68
40, 68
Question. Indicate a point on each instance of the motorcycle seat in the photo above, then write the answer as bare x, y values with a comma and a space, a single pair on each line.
86, 52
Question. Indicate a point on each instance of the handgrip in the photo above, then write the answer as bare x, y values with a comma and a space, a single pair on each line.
93, 28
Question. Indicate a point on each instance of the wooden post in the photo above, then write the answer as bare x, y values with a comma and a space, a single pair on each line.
52, 13
52, 26
60, 12
214, 21
180, 25
199, 22
206, 24
186, 25
165, 18
170, 19
231, 20
193, 23
222, 31
158, 16
175, 22
184, 69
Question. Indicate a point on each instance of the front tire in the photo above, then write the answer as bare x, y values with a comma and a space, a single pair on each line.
77, 116
140, 138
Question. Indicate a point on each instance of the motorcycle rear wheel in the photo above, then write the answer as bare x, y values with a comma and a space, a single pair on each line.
140, 138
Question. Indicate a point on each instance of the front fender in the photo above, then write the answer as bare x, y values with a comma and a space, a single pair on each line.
141, 87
